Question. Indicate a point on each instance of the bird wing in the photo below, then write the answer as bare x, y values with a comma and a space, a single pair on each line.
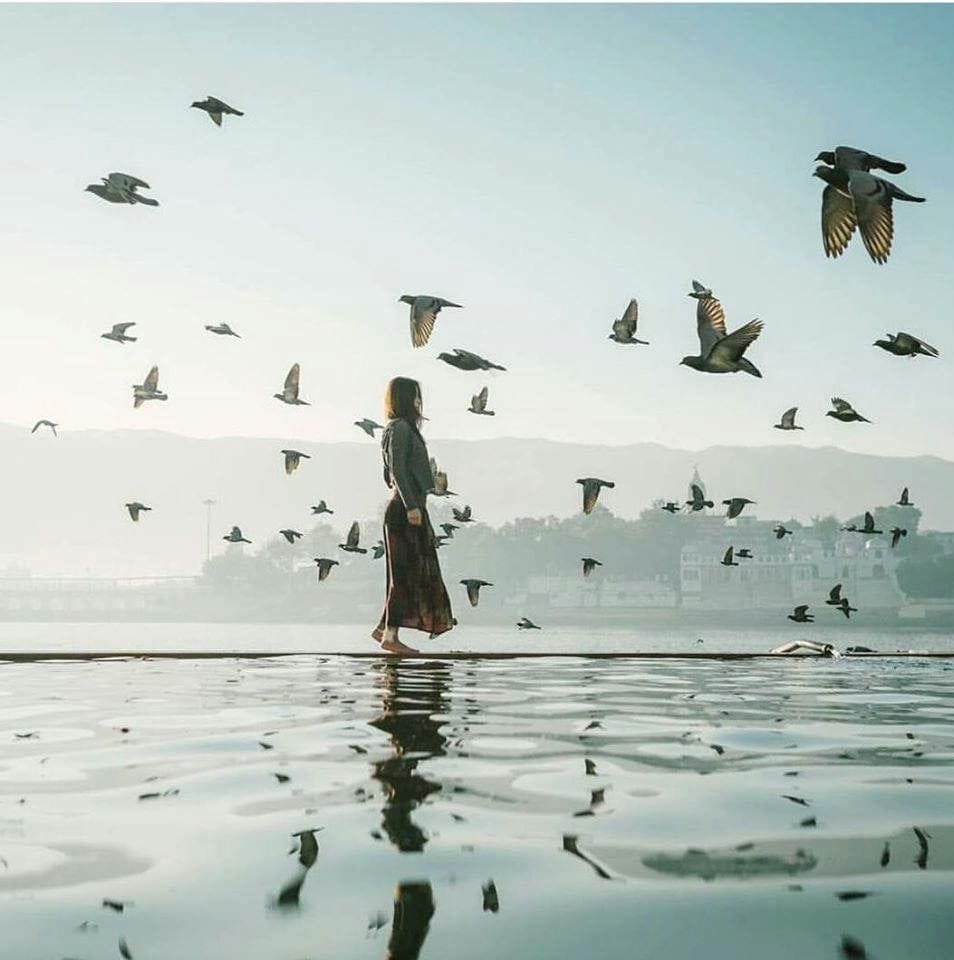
835, 592
123, 327
631, 317
697, 287
728, 556
125, 182
481, 399
735, 508
788, 418
849, 158
353, 534
291, 382
424, 311
734, 345
838, 221
591, 491
909, 341
697, 493
236, 532
473, 592
291, 461
841, 406
904, 495
869, 521
800, 609
710, 324
872, 202
466, 354
151, 382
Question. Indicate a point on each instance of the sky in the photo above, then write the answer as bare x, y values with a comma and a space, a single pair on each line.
538, 164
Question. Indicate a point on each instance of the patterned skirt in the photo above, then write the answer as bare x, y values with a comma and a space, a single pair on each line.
416, 595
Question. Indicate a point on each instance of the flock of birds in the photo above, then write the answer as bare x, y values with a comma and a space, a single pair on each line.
853, 198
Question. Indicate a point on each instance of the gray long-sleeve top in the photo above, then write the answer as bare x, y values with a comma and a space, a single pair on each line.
406, 465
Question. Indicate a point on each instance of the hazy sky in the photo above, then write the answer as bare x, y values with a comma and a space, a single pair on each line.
538, 164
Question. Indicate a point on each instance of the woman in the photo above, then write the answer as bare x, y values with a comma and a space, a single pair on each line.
416, 595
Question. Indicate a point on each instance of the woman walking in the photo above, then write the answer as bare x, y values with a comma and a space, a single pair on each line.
416, 595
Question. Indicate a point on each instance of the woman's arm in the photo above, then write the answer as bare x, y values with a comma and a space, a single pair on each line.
402, 436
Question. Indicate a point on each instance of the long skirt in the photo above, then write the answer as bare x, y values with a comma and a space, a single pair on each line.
416, 595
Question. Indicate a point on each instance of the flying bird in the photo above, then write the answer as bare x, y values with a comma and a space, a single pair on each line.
377, 550
490, 897
289, 392
45, 423
465, 360
720, 352
903, 344
624, 329
780, 531
699, 292
525, 623
148, 389
801, 615
122, 188
736, 505
904, 501
290, 535
588, 564
745, 553
351, 543
896, 534
478, 404
852, 198
788, 420
449, 529
324, 567
440, 482
118, 333
135, 508
845, 412
215, 108
223, 330
670, 507
368, 426
424, 311
235, 536
322, 506
462, 516
292, 459
473, 589
727, 560
591, 491
850, 158
698, 500
846, 608
834, 596
869, 527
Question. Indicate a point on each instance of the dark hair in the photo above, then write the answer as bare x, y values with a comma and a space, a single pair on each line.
399, 397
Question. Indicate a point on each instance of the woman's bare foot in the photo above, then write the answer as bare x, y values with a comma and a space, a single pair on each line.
392, 645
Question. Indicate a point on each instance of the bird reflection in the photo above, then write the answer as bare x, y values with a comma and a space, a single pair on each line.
414, 697
413, 909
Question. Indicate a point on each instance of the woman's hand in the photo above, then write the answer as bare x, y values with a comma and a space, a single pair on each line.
415, 517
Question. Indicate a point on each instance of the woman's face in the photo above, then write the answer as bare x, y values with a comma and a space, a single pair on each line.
418, 404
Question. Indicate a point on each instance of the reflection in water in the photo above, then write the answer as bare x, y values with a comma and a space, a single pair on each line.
412, 694
413, 909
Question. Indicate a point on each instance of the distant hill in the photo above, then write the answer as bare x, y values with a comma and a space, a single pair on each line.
61, 512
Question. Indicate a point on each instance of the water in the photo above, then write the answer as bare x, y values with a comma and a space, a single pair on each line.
621, 809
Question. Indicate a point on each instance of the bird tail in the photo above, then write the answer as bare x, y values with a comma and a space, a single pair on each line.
899, 194
892, 166
148, 201
496, 366
749, 367
132, 339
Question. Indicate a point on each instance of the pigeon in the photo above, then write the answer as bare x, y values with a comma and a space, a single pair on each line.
118, 333
788, 420
377, 550
45, 423
736, 505
289, 392
671, 507
591, 490
491, 900
525, 623
903, 344
424, 311
698, 500
478, 404
727, 560
699, 292
351, 543
719, 352
148, 389
745, 553
324, 567
292, 459
290, 535
855, 198
449, 529
850, 158
440, 482
624, 329
896, 534
135, 508
473, 589
235, 536
834, 596
588, 564
845, 412
439, 541
904, 501
846, 608
462, 516
321, 508
215, 108
121, 188
869, 527
801, 614
780, 531
368, 426
465, 360
223, 330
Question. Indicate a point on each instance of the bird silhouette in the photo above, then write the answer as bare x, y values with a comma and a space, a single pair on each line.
292, 459
321, 508
670, 507
122, 188
235, 536
720, 352
845, 412
351, 543
478, 404
736, 505
896, 534
135, 508
780, 531
290, 535
869, 527
424, 311
465, 360
215, 108
846, 608
473, 589
525, 623
851, 158
377, 551
368, 426
462, 516
624, 329
904, 501
788, 420
698, 500
801, 615
490, 898
834, 596
223, 330
745, 553
906, 345
324, 566
148, 389
449, 529
699, 292
727, 560
591, 491
588, 564
118, 333
45, 423
440, 482
289, 392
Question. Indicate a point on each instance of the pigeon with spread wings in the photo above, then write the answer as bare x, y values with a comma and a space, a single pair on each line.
289, 392
788, 420
478, 404
148, 389
118, 333
845, 412
215, 108
473, 589
591, 491
424, 311
465, 360
720, 352
351, 543
624, 329
903, 344
293, 458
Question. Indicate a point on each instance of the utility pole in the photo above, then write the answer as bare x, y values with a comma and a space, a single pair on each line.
209, 504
